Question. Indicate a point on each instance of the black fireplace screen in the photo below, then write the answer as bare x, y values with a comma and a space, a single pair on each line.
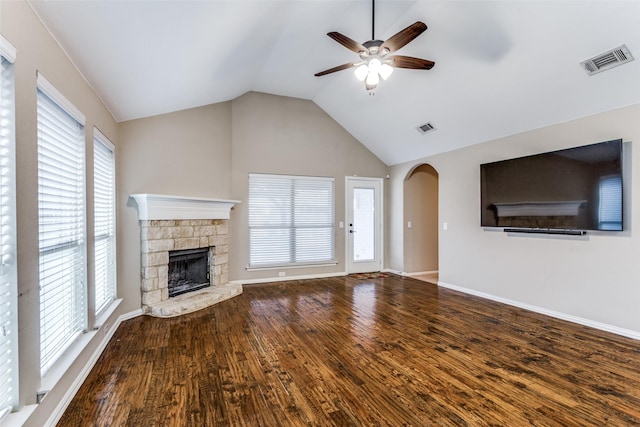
188, 271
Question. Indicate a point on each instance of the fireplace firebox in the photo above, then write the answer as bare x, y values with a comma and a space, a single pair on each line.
189, 270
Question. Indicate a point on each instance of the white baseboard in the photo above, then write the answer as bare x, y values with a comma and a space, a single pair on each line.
71, 392
399, 273
285, 278
129, 315
420, 273
629, 333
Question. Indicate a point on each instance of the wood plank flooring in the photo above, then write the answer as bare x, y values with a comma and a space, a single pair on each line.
393, 351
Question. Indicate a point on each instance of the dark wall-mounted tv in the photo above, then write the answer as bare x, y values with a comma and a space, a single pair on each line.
574, 189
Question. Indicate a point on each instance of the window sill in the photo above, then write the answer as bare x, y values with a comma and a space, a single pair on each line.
291, 266
18, 418
106, 313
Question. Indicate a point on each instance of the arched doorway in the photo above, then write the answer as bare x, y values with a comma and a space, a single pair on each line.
421, 223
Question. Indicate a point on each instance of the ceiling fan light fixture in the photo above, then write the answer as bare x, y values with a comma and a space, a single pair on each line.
385, 71
361, 72
374, 65
373, 78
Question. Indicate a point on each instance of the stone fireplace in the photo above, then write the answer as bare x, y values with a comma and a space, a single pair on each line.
183, 231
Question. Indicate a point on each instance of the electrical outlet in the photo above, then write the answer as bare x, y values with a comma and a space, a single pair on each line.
281, 274
105, 328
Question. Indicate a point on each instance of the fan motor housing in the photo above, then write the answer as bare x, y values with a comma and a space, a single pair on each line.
373, 46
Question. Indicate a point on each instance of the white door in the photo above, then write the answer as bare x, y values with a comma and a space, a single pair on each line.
364, 224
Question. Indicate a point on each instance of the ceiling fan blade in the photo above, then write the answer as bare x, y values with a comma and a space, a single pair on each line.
403, 37
334, 69
400, 61
347, 42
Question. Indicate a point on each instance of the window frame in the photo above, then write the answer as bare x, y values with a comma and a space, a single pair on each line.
8, 249
110, 270
296, 225
66, 243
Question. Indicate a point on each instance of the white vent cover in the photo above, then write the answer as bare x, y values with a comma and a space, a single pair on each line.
607, 60
427, 127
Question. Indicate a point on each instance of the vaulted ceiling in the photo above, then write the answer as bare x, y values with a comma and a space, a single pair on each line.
502, 67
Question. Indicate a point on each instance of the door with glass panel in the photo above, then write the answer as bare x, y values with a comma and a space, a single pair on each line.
364, 224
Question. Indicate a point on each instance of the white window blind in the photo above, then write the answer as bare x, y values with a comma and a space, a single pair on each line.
61, 221
8, 275
610, 206
291, 220
104, 221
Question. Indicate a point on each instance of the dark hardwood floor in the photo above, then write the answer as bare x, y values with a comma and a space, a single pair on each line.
340, 351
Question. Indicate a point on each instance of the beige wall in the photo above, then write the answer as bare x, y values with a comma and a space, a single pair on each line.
36, 50
421, 209
186, 153
217, 146
593, 278
280, 135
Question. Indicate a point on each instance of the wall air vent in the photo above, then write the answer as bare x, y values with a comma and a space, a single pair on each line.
607, 60
427, 127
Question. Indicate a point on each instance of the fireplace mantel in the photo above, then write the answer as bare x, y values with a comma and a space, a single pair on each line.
166, 207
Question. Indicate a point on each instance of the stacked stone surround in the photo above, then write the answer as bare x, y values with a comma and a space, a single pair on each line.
158, 237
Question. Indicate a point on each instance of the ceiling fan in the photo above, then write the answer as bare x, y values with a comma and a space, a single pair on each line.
375, 62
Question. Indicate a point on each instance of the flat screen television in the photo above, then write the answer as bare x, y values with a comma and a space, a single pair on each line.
577, 189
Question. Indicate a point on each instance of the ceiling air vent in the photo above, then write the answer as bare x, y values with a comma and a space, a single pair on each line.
607, 60
427, 127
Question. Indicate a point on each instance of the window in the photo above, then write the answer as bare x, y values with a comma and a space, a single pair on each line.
610, 205
8, 275
61, 222
290, 220
104, 220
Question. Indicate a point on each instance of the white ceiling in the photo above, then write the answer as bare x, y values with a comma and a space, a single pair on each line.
502, 67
